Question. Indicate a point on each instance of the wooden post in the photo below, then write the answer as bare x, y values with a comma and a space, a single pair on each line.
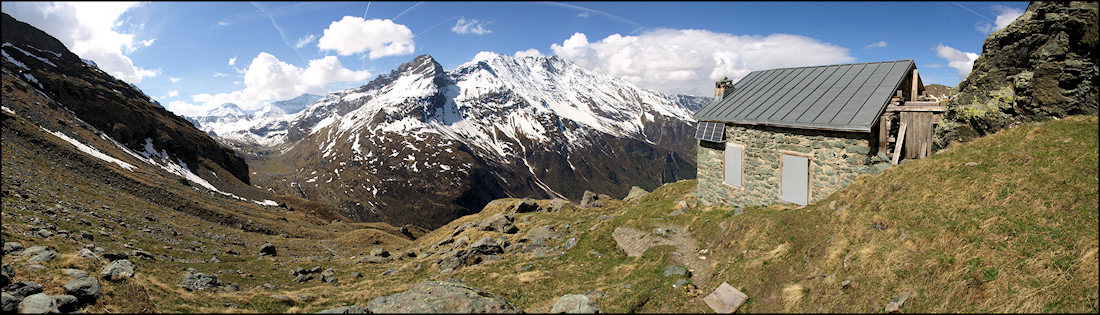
913, 92
883, 132
897, 146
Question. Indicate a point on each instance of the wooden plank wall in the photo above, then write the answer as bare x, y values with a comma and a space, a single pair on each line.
918, 137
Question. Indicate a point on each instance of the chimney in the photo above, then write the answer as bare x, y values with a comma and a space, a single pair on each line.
721, 87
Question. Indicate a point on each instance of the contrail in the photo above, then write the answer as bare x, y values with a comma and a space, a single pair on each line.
368, 10
280, 29
971, 11
637, 25
437, 24
406, 11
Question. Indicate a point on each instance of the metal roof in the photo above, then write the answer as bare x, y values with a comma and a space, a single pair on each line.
847, 97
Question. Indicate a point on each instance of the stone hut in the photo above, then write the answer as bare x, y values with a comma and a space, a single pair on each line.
799, 134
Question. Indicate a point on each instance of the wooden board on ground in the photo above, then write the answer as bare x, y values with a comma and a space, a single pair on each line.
897, 146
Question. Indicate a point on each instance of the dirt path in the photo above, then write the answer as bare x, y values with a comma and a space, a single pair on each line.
635, 242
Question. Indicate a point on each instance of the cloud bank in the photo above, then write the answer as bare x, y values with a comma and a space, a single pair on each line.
353, 35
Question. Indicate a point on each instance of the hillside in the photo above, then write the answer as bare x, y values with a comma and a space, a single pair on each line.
1025, 241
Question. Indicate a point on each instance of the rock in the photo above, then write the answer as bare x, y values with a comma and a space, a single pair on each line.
572, 241
675, 271
540, 234
66, 303
896, 304
84, 287
329, 276
356, 275
39, 254
588, 200
281, 298
303, 278
847, 283
115, 256
12, 248
9, 303
500, 223
635, 193
142, 254
442, 297
197, 281
353, 309
23, 289
676, 212
267, 250
574, 304
1042, 66
39, 303
380, 252
35, 267
725, 299
43, 233
557, 204
523, 206
304, 297
118, 270
87, 253
7, 273
486, 246
683, 283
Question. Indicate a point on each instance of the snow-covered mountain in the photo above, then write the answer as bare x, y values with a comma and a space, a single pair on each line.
425, 146
265, 126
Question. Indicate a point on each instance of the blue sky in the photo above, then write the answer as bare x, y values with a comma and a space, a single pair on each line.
194, 56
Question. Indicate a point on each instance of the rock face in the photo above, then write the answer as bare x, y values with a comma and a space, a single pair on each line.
1041, 66
442, 297
354, 309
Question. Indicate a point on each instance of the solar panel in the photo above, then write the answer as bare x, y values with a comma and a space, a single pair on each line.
710, 131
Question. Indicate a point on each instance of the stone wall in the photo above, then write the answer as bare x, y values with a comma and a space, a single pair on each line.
837, 159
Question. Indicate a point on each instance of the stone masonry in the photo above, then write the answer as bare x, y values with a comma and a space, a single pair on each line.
837, 159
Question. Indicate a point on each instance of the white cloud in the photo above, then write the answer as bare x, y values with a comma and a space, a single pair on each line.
305, 40
219, 75
173, 79
173, 93
933, 66
528, 53
223, 23
1005, 16
584, 14
689, 61
267, 79
963, 62
464, 26
233, 60
353, 35
483, 55
87, 29
879, 44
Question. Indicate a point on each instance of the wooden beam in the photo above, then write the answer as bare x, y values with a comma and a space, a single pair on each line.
913, 92
883, 133
921, 103
897, 146
915, 108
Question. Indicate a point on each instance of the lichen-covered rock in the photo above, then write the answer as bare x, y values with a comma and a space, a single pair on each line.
353, 309
442, 297
39, 303
635, 193
1041, 66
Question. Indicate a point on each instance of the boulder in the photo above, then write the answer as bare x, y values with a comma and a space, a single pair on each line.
524, 206
9, 303
499, 223
574, 304
442, 297
353, 309
85, 288
23, 289
635, 193
486, 246
12, 248
118, 270
588, 199
557, 204
115, 256
267, 250
379, 252
66, 303
142, 254
541, 234
677, 271
7, 273
39, 303
39, 254
197, 281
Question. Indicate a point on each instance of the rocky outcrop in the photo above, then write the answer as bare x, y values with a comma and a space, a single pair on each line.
1041, 66
442, 297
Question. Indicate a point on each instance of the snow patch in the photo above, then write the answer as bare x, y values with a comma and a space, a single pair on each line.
90, 150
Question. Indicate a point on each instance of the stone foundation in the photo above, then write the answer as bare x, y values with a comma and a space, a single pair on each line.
837, 158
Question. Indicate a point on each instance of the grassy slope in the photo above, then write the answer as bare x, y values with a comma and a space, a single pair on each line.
1014, 231
1006, 223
